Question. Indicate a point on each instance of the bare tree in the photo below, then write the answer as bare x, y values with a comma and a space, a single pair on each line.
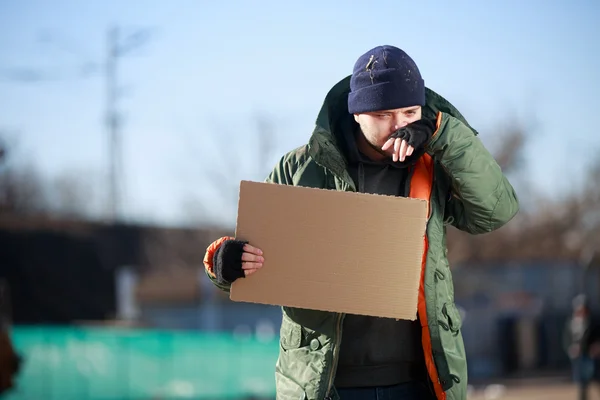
559, 229
119, 43
21, 189
24, 191
509, 154
508, 151
73, 195
228, 158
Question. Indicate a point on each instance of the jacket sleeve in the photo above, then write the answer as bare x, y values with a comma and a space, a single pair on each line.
280, 174
208, 262
482, 198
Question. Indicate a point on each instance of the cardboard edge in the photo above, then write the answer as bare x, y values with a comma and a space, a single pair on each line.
237, 209
237, 223
243, 183
329, 190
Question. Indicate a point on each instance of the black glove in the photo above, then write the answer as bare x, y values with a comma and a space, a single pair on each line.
416, 134
227, 261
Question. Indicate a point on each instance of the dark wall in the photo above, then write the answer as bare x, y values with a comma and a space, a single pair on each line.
62, 271
55, 277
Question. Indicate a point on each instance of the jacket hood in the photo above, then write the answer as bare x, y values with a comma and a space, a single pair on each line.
334, 123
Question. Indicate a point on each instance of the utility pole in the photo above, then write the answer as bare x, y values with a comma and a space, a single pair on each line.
116, 48
112, 124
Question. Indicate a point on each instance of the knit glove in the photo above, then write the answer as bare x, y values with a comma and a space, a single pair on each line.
227, 261
416, 134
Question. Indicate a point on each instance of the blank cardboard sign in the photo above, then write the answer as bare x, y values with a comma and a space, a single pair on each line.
333, 251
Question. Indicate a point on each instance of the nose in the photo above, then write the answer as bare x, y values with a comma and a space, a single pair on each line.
400, 122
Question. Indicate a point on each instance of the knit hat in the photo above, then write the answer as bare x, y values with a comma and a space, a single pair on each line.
385, 78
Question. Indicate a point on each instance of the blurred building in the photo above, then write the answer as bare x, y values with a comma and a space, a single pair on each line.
61, 272
84, 273
514, 314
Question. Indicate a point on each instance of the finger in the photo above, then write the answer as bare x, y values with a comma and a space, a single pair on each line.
397, 144
403, 147
251, 249
388, 144
252, 257
249, 271
410, 150
251, 265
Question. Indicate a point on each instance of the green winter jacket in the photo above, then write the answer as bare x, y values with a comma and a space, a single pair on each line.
468, 191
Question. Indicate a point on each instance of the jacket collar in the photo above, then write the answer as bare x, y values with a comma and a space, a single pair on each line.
327, 145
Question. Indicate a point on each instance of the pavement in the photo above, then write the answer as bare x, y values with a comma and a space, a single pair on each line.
541, 390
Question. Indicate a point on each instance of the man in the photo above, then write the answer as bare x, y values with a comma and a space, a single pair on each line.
582, 342
382, 131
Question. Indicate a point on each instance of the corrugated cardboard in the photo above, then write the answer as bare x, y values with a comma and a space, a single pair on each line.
334, 251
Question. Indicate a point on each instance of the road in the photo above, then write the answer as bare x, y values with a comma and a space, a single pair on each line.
539, 391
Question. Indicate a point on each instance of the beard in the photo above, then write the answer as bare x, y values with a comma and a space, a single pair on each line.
378, 149
376, 146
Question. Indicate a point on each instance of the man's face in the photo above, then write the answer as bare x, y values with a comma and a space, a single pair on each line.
377, 126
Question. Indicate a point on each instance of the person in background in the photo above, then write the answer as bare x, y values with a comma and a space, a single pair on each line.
582, 342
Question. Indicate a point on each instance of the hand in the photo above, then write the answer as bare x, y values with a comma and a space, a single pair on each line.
236, 259
409, 138
252, 259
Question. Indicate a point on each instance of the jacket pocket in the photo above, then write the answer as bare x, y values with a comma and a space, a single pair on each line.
287, 389
287, 371
452, 320
290, 334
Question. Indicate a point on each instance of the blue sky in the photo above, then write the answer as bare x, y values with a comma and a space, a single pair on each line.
194, 89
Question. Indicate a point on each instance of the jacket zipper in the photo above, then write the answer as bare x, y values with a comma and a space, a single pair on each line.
336, 352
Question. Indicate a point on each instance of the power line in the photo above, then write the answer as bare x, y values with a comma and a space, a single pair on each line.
117, 46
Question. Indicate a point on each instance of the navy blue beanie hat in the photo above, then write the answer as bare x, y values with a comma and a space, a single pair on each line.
385, 78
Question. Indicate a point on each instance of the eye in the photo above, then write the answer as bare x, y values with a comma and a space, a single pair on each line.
386, 115
411, 112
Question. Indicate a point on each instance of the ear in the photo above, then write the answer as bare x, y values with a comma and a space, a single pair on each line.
356, 117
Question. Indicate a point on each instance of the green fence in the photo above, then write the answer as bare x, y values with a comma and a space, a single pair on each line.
109, 363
